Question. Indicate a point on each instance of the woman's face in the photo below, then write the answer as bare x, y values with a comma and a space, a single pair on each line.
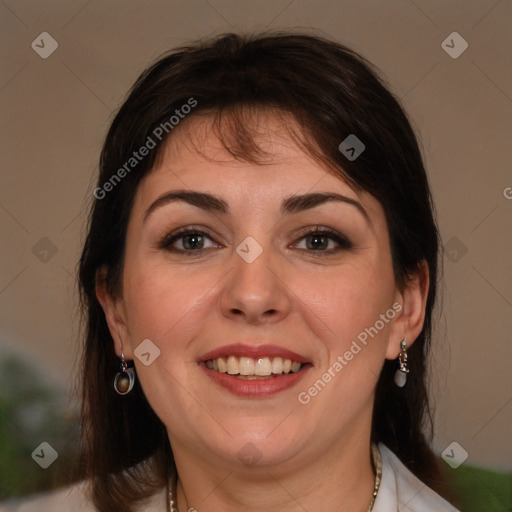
265, 280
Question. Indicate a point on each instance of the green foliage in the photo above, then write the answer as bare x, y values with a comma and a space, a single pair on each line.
481, 490
31, 412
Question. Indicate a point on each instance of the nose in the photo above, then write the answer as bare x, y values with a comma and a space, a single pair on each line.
255, 292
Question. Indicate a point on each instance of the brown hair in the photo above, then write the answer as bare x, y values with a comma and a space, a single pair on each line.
332, 92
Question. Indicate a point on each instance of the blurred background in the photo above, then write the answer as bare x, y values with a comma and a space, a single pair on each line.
67, 65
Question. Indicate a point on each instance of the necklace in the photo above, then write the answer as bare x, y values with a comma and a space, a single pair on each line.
172, 505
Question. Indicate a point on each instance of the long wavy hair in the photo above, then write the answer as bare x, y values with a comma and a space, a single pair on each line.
331, 92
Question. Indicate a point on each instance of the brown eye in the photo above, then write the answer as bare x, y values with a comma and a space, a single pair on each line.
318, 241
192, 241
188, 241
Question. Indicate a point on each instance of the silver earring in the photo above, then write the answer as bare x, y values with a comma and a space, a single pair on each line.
401, 373
125, 378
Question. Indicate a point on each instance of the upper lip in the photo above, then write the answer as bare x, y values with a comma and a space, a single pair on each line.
253, 351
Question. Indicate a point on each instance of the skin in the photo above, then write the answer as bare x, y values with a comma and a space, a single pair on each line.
315, 456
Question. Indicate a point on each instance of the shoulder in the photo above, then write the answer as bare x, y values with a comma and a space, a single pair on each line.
71, 499
401, 490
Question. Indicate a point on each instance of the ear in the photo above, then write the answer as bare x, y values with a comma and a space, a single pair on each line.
409, 321
115, 315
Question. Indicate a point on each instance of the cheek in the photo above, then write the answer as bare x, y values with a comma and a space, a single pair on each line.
350, 299
163, 302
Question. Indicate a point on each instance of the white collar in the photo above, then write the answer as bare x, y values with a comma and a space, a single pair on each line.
401, 491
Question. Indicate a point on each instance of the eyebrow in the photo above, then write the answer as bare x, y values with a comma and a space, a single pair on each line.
291, 204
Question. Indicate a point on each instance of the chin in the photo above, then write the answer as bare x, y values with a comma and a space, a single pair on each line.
261, 444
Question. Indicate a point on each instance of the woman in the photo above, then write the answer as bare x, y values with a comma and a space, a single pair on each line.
259, 277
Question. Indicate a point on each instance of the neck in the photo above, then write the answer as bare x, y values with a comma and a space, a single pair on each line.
340, 479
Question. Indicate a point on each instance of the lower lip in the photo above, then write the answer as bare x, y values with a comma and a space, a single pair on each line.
258, 387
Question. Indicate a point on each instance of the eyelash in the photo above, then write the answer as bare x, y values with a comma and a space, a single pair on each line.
343, 242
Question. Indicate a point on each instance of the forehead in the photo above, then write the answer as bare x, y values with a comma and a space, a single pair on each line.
243, 136
252, 146
201, 154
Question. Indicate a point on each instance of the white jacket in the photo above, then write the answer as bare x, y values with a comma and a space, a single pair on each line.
399, 491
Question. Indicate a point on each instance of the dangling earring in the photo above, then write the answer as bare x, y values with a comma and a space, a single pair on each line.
401, 373
125, 378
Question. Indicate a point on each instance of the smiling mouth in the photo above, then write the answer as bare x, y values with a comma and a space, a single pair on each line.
249, 368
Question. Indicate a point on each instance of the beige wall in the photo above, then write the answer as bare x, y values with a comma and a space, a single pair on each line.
55, 112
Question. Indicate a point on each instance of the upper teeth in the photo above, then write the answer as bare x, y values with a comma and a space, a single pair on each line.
248, 366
